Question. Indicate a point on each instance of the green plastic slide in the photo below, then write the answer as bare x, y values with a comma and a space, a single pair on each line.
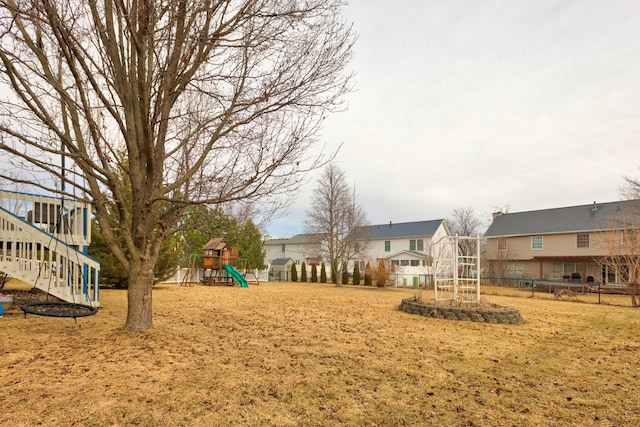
236, 275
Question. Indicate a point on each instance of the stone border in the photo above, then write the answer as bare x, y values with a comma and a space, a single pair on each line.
501, 315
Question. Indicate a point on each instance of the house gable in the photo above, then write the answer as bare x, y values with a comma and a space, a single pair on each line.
410, 237
407, 255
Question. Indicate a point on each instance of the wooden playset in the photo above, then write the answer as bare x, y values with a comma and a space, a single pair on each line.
219, 260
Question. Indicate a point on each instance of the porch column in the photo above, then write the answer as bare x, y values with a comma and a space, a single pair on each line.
541, 270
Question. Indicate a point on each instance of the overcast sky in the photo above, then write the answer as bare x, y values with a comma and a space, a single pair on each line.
486, 104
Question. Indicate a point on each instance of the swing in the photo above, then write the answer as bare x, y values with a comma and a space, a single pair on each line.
70, 272
58, 308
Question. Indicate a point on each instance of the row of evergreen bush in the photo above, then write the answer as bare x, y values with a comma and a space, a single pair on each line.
379, 275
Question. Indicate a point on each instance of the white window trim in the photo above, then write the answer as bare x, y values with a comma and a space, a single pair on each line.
588, 241
541, 243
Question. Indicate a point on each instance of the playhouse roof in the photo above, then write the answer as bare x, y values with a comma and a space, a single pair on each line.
216, 244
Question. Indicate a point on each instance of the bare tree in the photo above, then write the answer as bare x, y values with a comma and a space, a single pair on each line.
622, 248
464, 222
336, 220
158, 104
500, 260
630, 188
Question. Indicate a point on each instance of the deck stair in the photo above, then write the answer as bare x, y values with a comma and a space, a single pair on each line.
44, 241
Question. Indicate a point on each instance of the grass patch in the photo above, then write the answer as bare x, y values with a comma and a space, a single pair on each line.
293, 354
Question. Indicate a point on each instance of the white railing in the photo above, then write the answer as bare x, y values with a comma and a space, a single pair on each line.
65, 219
49, 255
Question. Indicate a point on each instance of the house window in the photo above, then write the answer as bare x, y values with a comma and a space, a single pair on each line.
536, 243
515, 270
415, 263
404, 262
416, 244
502, 244
572, 267
395, 262
387, 245
283, 248
582, 240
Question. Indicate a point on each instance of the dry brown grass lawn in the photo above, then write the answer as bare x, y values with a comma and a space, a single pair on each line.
286, 354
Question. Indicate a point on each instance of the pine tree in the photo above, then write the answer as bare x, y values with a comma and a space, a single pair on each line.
382, 274
323, 274
356, 273
303, 273
314, 273
294, 273
368, 281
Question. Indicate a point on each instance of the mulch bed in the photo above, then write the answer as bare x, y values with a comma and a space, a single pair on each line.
21, 296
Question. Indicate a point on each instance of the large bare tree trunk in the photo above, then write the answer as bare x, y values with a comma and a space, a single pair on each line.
139, 298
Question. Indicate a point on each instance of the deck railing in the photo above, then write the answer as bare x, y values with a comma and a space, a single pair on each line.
43, 241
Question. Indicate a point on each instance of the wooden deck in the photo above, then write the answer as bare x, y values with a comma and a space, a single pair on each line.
581, 287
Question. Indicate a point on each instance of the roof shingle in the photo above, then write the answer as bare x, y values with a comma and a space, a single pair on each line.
592, 217
403, 229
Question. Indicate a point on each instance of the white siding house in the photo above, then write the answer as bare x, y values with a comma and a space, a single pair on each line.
398, 241
299, 248
404, 246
